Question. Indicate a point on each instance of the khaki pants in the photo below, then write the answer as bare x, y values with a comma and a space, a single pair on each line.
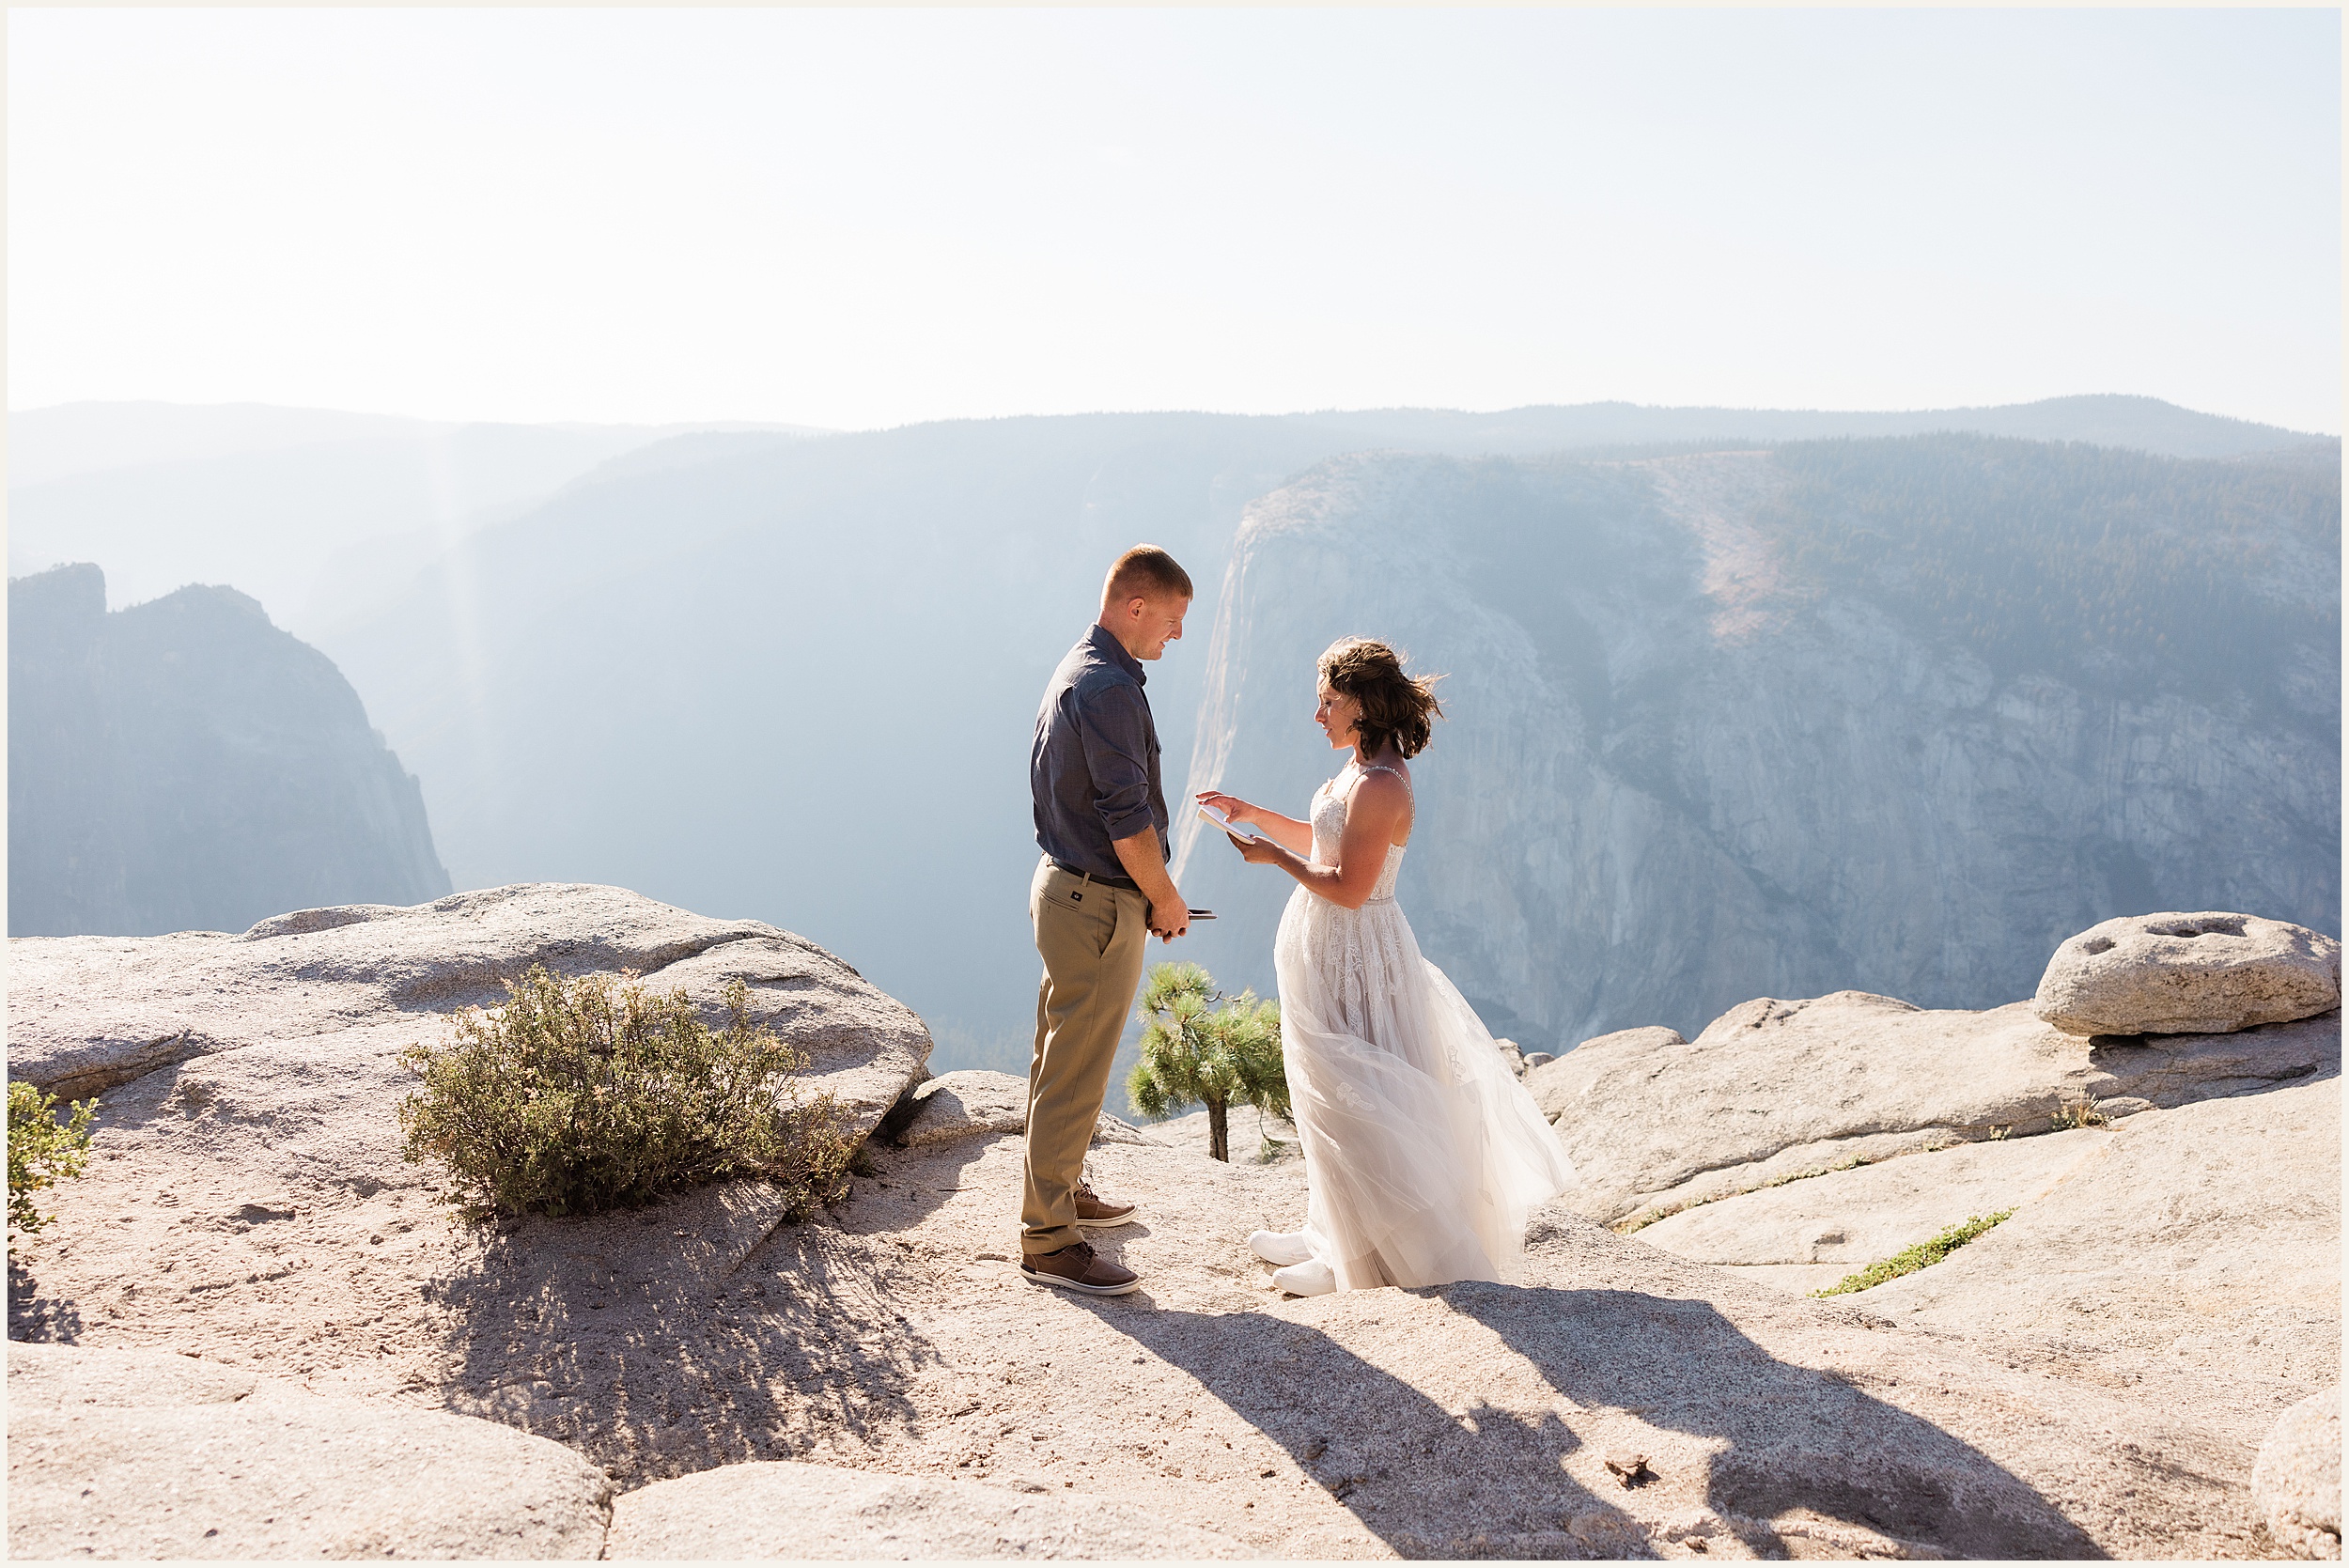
1092, 937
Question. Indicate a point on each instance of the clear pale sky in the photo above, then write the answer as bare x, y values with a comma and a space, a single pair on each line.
863, 218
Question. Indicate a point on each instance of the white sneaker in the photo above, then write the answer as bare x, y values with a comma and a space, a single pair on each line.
1311, 1277
1278, 1249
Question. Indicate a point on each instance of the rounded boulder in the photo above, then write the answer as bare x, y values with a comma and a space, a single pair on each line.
2295, 1483
2211, 973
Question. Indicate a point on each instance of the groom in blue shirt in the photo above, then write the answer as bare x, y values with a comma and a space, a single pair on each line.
1100, 889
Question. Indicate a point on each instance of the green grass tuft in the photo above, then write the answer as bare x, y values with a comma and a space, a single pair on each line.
1923, 1256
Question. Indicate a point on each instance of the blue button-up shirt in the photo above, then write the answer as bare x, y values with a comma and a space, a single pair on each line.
1093, 770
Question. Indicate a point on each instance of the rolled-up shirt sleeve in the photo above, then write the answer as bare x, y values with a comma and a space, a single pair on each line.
1114, 722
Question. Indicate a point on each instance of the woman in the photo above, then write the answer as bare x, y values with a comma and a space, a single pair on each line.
1422, 1152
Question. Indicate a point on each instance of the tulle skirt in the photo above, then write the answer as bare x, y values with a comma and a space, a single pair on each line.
1424, 1154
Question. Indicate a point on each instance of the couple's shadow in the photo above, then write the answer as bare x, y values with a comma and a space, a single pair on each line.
1777, 1441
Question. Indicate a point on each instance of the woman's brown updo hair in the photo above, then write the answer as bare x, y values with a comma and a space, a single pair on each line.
1395, 707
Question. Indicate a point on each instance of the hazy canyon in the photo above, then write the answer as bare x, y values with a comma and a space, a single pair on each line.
1739, 704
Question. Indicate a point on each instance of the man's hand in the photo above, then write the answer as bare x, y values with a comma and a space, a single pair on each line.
1171, 920
1140, 856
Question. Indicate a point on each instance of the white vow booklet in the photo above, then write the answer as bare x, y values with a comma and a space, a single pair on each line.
1238, 829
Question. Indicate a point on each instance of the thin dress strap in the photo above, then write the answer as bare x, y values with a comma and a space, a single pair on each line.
1361, 773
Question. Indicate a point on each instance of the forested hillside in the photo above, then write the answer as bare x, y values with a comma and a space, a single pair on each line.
2117, 570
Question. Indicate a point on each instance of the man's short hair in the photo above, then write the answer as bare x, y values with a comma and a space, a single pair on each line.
1147, 572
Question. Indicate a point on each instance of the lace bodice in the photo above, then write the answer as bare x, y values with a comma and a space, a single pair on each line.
1329, 821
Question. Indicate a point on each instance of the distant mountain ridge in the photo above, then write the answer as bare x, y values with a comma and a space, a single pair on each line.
2139, 424
320, 513
314, 512
183, 765
2142, 423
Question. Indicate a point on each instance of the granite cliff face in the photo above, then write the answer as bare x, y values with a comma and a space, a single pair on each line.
1896, 715
184, 765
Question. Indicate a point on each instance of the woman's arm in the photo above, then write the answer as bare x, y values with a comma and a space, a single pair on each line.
1285, 830
1378, 807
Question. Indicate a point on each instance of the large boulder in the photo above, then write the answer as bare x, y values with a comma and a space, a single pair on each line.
1649, 1037
1773, 1090
784, 1509
120, 1453
2188, 974
968, 1104
252, 1206
86, 1013
249, 1192
2295, 1484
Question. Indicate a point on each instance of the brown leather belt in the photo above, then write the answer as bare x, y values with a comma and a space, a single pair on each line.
1126, 882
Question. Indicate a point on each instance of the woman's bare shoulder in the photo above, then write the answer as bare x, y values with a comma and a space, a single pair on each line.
1383, 788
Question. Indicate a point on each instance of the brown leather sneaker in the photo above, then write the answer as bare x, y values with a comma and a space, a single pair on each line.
1095, 1214
1077, 1267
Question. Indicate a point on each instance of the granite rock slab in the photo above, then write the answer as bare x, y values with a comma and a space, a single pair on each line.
784, 1509
88, 1013
1775, 1089
125, 1454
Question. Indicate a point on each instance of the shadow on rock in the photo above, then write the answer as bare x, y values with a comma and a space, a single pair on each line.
1480, 1480
32, 1316
1788, 1439
1430, 1482
702, 1332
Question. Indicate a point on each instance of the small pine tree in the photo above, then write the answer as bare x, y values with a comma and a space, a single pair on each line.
41, 1150
1193, 1055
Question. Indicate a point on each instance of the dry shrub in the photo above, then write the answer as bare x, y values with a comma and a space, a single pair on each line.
580, 1096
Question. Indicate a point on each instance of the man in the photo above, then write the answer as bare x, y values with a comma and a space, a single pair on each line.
1102, 888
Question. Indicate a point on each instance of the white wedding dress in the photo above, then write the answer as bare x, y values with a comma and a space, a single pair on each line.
1424, 1154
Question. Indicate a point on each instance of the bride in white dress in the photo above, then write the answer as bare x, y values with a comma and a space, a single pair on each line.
1424, 1154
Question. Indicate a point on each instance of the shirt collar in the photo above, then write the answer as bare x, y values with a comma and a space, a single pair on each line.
1114, 651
